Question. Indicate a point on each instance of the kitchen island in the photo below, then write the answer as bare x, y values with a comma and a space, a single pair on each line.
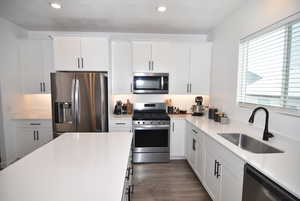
73, 167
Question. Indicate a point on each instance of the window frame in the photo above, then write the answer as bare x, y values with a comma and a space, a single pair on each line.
288, 23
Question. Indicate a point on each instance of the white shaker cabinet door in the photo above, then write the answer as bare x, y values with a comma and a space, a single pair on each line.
94, 54
141, 56
180, 71
67, 53
161, 57
121, 67
25, 141
231, 185
211, 181
200, 65
47, 47
177, 138
31, 63
45, 135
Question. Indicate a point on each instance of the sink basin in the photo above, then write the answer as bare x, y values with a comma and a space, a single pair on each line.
249, 144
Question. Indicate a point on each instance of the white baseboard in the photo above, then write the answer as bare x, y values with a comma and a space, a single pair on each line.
177, 157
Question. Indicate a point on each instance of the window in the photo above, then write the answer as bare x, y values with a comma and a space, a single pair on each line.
269, 68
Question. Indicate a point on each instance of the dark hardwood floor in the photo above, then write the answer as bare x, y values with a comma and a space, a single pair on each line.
174, 181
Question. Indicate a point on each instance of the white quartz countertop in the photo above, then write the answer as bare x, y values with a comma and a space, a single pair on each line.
282, 168
73, 167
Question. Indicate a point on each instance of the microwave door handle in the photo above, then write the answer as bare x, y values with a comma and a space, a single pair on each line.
162, 83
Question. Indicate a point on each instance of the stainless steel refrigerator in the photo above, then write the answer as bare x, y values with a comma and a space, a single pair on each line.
79, 102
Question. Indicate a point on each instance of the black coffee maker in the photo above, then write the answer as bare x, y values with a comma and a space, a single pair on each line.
118, 108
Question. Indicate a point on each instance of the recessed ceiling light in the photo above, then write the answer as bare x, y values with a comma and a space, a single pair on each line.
55, 5
161, 9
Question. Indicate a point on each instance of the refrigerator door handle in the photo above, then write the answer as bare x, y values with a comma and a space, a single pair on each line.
77, 101
73, 103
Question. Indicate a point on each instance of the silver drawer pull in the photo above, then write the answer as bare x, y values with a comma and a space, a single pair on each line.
35, 124
121, 123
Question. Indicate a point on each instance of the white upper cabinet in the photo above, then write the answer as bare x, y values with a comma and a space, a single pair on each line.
141, 52
81, 54
67, 53
36, 63
47, 47
200, 65
94, 53
121, 67
180, 72
151, 56
161, 57
191, 64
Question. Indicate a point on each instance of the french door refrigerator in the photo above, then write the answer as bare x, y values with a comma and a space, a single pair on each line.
79, 102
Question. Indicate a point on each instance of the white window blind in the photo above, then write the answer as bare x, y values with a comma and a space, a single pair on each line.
269, 68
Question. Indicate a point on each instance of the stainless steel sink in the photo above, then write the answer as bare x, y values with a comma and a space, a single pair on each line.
249, 144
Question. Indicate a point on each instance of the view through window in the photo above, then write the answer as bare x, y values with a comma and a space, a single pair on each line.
269, 68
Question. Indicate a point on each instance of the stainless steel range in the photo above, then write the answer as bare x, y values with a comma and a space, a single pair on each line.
151, 126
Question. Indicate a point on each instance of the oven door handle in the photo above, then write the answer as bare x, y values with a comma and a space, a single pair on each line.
157, 127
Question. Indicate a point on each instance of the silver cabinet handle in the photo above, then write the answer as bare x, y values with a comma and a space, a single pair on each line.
35, 124
34, 135
131, 90
37, 135
218, 169
194, 144
152, 66
44, 87
187, 87
149, 64
78, 62
173, 127
82, 62
41, 87
190, 88
120, 123
194, 131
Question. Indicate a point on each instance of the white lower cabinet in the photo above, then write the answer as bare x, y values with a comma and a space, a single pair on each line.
32, 135
219, 170
120, 125
177, 138
195, 155
224, 173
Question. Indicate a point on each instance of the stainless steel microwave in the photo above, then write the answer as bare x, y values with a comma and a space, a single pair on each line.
151, 83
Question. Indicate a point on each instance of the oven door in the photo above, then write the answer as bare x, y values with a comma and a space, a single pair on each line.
151, 139
154, 83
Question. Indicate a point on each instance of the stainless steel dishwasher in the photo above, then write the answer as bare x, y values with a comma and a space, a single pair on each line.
258, 187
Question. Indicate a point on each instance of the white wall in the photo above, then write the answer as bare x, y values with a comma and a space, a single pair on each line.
9, 79
2, 143
251, 17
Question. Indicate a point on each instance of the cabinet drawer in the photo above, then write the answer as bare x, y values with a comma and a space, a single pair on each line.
120, 129
34, 123
121, 122
197, 133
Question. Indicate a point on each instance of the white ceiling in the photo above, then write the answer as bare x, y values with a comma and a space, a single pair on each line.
182, 16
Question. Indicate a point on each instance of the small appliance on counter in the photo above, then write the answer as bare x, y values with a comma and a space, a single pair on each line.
118, 108
212, 112
198, 109
121, 108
